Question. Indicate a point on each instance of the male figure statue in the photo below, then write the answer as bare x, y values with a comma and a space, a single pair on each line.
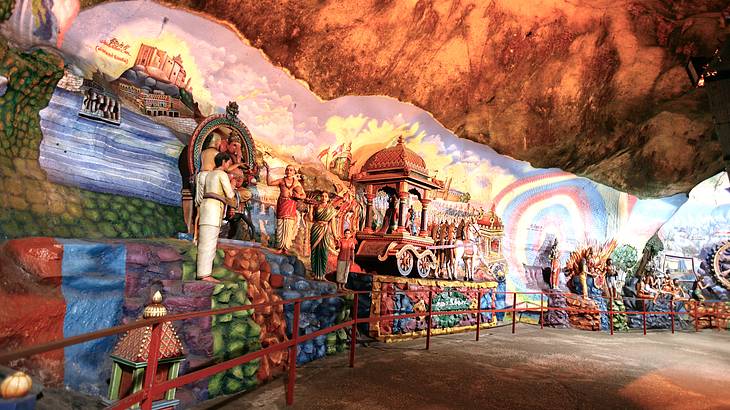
217, 192
290, 191
585, 271
207, 164
554, 265
207, 157
611, 278
238, 173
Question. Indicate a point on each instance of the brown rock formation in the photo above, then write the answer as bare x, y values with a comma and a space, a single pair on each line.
581, 313
595, 87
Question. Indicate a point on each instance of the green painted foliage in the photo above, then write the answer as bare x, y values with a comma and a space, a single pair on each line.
31, 204
625, 258
6, 9
234, 334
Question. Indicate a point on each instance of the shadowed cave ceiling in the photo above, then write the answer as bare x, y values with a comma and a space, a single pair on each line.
597, 88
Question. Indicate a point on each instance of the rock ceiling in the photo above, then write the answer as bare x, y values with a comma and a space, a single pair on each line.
595, 87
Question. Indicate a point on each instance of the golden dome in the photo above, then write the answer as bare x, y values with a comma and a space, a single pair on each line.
156, 308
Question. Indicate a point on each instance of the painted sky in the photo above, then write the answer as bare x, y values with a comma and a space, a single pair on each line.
702, 221
282, 112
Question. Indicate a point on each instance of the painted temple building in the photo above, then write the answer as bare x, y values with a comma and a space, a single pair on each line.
162, 66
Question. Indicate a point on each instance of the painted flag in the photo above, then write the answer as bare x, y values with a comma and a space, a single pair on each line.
323, 154
337, 150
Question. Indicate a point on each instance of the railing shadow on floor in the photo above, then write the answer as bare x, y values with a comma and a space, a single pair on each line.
152, 388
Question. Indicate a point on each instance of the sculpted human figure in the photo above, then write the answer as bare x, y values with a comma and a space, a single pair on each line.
584, 272
390, 219
554, 265
411, 221
238, 173
290, 191
217, 192
207, 164
323, 235
208, 155
611, 278
345, 257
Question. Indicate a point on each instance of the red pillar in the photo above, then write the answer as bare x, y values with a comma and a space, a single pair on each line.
429, 319
479, 312
424, 217
293, 357
514, 310
353, 337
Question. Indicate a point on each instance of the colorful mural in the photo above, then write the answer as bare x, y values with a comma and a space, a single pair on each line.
113, 123
214, 65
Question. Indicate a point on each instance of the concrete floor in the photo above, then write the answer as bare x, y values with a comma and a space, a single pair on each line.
534, 369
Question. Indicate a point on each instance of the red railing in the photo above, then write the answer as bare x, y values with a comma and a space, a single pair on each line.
152, 389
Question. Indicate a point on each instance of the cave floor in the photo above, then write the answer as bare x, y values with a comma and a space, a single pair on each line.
535, 369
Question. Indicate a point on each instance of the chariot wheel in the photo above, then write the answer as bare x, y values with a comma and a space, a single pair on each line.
721, 265
424, 267
405, 263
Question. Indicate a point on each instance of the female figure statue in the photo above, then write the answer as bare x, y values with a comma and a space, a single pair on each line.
323, 235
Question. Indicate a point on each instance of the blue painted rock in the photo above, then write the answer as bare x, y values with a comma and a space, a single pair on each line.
287, 269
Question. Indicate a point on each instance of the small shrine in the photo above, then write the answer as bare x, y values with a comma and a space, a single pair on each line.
491, 229
129, 358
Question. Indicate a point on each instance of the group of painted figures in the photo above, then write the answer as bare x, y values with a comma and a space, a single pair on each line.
224, 182
586, 263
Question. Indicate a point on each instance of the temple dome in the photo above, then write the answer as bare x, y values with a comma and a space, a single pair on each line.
395, 158
491, 221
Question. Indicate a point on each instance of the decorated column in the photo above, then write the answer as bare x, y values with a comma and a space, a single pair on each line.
369, 211
424, 217
402, 200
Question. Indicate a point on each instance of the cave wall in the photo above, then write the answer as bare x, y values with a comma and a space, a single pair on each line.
592, 87
291, 124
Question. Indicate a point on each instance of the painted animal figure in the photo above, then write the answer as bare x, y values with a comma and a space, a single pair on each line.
468, 250
437, 233
449, 253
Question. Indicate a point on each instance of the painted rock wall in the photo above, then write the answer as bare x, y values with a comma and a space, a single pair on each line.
67, 287
31, 204
404, 296
30, 281
137, 158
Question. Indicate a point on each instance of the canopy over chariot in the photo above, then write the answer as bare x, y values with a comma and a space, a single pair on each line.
432, 249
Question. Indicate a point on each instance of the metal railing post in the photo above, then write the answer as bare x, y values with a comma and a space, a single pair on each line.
479, 312
643, 308
542, 316
514, 310
151, 370
293, 357
610, 312
697, 317
353, 336
671, 311
429, 319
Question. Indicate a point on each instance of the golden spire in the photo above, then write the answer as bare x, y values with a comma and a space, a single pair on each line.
156, 308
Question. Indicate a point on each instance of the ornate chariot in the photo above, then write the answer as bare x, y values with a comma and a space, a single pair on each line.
399, 172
